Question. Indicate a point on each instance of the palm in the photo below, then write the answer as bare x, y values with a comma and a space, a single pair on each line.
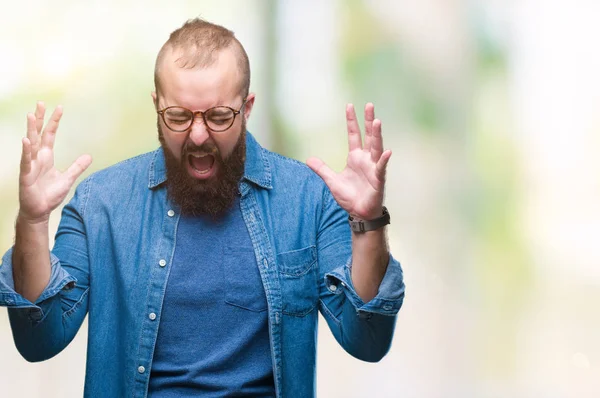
42, 187
359, 188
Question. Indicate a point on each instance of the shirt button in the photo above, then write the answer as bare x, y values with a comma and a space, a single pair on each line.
387, 307
162, 263
141, 369
333, 288
152, 316
170, 213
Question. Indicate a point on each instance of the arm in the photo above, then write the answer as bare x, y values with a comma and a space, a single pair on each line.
363, 329
42, 188
359, 190
359, 299
31, 258
370, 256
33, 284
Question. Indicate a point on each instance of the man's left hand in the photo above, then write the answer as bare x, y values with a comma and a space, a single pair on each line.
359, 188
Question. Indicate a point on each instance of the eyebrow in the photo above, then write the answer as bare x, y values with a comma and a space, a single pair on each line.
178, 112
219, 111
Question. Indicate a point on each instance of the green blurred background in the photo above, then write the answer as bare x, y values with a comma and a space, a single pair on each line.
491, 109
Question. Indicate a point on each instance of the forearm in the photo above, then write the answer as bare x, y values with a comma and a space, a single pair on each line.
31, 258
370, 256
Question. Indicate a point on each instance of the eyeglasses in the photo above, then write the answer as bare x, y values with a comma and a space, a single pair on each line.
217, 119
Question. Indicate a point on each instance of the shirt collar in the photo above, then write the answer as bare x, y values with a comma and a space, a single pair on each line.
257, 168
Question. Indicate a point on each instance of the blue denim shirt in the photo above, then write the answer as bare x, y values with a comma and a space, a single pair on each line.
112, 256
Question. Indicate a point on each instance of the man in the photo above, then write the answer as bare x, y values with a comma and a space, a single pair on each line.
203, 264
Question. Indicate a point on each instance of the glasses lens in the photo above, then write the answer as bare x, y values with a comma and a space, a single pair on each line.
178, 119
219, 118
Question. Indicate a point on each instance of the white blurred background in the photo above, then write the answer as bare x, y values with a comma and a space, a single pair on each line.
491, 108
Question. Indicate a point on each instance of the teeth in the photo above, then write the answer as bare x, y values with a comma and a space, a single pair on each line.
199, 155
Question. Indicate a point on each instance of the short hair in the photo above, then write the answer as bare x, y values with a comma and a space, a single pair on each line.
201, 41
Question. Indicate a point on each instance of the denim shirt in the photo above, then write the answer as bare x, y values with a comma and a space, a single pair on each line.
112, 256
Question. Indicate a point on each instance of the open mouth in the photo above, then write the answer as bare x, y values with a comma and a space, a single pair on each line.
201, 163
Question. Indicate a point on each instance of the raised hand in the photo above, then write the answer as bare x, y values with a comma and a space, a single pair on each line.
359, 188
42, 187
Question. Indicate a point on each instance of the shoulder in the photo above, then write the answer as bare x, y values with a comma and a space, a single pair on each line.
125, 177
295, 185
287, 170
132, 167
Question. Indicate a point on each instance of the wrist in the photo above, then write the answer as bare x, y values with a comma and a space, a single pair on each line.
358, 225
33, 221
371, 215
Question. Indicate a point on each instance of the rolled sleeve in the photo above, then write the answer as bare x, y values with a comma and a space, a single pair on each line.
389, 297
59, 279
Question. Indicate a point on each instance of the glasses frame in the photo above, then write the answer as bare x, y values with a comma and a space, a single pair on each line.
203, 114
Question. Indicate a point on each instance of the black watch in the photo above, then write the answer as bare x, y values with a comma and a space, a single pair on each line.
370, 225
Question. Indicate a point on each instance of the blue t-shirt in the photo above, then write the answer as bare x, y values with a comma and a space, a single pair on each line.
213, 338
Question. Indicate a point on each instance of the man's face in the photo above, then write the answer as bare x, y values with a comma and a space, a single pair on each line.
203, 167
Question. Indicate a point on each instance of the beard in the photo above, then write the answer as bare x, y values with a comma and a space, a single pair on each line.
214, 196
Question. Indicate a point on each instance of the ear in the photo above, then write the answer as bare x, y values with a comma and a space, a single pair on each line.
249, 105
153, 94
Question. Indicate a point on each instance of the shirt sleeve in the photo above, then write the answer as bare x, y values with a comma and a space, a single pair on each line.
59, 279
389, 298
364, 330
44, 328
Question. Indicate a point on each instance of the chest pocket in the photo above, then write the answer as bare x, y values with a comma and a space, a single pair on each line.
298, 278
243, 285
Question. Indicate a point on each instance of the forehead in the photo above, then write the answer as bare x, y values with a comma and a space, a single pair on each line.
199, 88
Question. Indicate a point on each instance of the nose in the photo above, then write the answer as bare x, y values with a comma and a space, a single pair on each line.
198, 131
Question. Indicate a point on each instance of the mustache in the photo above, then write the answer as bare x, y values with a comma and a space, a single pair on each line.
208, 148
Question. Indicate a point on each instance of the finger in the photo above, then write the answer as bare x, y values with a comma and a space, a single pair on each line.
369, 116
26, 156
354, 140
32, 135
381, 165
322, 170
77, 168
376, 141
40, 111
29, 172
50, 130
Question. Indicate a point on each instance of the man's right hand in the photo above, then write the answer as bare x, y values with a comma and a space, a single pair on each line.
42, 187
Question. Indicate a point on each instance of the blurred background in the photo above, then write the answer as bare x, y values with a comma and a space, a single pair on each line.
491, 109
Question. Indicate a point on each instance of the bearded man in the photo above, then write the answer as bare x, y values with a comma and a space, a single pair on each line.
203, 265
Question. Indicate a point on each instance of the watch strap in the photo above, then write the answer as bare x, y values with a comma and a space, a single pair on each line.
369, 225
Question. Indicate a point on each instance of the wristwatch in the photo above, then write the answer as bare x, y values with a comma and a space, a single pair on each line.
369, 225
